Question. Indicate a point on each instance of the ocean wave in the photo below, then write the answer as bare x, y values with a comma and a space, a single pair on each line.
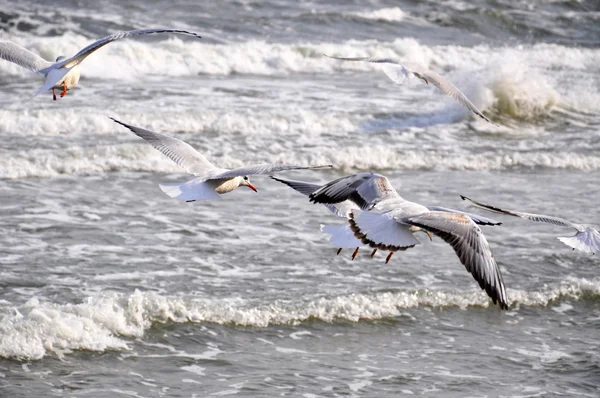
104, 322
142, 157
391, 14
520, 82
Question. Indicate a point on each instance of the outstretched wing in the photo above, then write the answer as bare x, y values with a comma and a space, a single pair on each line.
341, 209
265, 168
84, 53
450, 90
364, 189
587, 241
176, 150
398, 73
527, 216
21, 56
471, 247
477, 219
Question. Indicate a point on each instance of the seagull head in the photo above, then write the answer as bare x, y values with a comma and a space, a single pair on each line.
245, 181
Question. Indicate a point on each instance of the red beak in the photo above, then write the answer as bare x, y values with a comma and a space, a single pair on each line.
252, 187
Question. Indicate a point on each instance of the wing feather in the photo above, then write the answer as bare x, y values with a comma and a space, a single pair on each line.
88, 50
364, 189
21, 56
471, 247
527, 216
398, 73
264, 168
178, 151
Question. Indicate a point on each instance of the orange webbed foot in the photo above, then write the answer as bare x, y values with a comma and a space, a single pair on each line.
387, 259
355, 253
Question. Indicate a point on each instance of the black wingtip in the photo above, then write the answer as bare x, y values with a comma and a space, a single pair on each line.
463, 197
118, 122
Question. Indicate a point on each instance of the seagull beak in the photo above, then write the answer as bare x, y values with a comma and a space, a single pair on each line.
252, 187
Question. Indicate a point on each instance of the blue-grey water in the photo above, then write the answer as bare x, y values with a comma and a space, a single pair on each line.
110, 288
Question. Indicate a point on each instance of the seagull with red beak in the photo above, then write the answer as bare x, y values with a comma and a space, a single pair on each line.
210, 181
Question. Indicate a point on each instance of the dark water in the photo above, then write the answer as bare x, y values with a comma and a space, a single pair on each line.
110, 288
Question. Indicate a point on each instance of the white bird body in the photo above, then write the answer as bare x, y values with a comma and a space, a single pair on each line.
210, 181
382, 219
586, 238
65, 71
399, 73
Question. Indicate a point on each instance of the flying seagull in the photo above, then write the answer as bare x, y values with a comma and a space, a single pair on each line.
398, 73
341, 236
65, 71
385, 221
210, 181
587, 238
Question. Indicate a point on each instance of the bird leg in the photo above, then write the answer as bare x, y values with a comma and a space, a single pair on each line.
389, 256
355, 253
53, 95
339, 251
64, 90
430, 236
373, 253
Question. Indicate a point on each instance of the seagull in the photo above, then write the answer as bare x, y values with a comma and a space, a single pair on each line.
210, 181
65, 71
587, 238
341, 236
386, 221
399, 73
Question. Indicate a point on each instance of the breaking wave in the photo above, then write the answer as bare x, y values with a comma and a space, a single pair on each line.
103, 322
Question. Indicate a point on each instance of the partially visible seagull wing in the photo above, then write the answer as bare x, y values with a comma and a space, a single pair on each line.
341, 209
587, 241
85, 52
178, 151
479, 220
364, 189
450, 89
264, 168
21, 56
395, 71
471, 247
527, 216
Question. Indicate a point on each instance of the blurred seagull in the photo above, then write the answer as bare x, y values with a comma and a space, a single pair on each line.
399, 73
386, 221
587, 238
341, 236
210, 181
65, 71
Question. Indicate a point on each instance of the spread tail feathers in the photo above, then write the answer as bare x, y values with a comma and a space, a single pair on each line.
340, 236
191, 190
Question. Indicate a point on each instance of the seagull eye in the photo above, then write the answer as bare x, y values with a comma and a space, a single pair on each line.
246, 178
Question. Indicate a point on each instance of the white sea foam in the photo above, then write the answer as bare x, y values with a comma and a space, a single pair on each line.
142, 157
103, 322
391, 14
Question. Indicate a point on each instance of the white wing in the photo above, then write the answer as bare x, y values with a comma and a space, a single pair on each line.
587, 241
21, 56
528, 216
399, 73
85, 52
176, 150
340, 236
479, 220
341, 209
471, 247
364, 189
265, 168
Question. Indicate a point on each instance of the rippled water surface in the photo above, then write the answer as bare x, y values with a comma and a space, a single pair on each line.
110, 288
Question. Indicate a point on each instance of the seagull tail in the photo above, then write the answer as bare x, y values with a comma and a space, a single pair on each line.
54, 77
190, 191
585, 241
340, 236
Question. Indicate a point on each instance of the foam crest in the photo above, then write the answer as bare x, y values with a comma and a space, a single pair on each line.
102, 322
391, 14
142, 157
